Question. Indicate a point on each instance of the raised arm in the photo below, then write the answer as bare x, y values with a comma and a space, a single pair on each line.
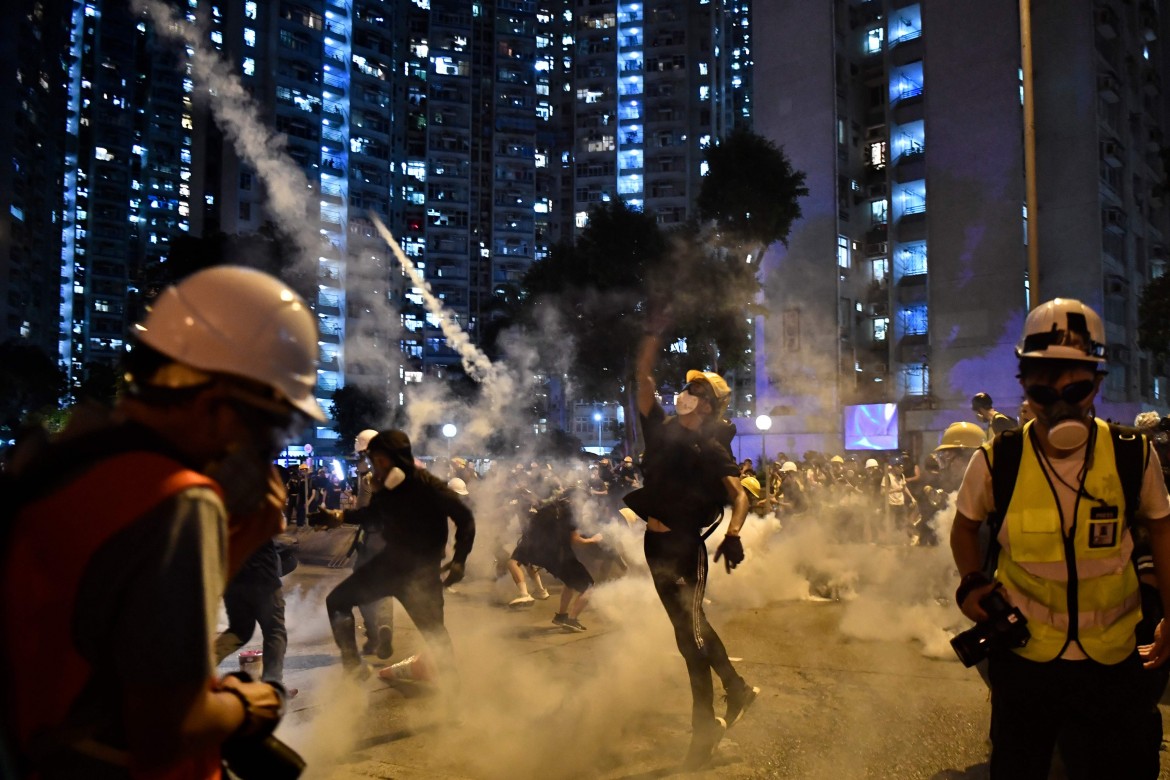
644, 371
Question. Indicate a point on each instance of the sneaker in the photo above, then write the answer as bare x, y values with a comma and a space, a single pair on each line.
385, 646
541, 594
739, 698
560, 618
570, 624
522, 601
704, 740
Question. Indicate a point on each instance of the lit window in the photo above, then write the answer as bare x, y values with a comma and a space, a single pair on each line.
881, 326
217, 37
702, 69
250, 9
873, 40
249, 36
249, 66
843, 251
581, 219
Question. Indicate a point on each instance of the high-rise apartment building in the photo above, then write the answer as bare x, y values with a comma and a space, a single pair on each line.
481, 132
906, 281
33, 71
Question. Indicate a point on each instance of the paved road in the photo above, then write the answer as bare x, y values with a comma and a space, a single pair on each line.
612, 702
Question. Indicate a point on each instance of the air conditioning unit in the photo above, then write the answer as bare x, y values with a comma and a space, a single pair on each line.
877, 248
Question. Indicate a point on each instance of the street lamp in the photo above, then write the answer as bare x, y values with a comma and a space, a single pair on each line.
597, 419
763, 423
449, 430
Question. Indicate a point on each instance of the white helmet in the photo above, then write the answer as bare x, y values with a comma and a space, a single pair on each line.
871, 463
788, 466
243, 322
362, 442
1063, 329
458, 485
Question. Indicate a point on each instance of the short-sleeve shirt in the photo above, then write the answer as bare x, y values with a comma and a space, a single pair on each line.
682, 474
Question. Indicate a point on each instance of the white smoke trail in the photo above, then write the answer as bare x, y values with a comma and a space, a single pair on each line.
236, 111
475, 363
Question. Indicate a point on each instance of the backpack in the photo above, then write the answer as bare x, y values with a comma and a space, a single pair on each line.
1131, 453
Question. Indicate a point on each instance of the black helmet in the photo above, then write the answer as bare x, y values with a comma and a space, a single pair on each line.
981, 401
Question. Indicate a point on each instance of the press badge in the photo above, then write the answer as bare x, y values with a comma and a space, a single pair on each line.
1103, 522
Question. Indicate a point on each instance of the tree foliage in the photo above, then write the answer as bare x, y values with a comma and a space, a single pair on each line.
353, 410
31, 385
750, 192
1154, 318
598, 287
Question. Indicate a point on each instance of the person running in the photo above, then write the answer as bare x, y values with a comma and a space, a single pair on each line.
550, 538
377, 615
689, 475
413, 506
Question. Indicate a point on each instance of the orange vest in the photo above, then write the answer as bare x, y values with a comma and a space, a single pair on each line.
52, 541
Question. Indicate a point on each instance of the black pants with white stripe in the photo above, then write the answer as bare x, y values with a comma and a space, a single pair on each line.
678, 564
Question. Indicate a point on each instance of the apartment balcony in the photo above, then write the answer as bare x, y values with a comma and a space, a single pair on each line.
910, 165
912, 225
1108, 87
1107, 22
907, 48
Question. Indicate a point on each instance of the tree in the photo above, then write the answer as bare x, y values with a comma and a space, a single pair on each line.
1154, 318
598, 287
750, 193
31, 385
353, 410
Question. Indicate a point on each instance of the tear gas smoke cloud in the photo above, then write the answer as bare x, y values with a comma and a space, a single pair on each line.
523, 713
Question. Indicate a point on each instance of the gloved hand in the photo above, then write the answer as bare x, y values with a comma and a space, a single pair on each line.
731, 550
265, 703
454, 571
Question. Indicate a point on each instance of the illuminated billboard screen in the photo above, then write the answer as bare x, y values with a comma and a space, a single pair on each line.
871, 427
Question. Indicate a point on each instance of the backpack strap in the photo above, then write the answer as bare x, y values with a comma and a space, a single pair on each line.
1003, 456
1131, 452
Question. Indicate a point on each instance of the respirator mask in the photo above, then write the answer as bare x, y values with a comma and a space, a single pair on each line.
1061, 412
685, 403
395, 478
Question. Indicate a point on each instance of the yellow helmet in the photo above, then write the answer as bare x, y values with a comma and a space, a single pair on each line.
751, 484
718, 386
961, 434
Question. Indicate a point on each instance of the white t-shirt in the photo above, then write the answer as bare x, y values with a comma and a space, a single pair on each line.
976, 501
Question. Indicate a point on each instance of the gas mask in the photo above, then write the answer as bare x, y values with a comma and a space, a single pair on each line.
1062, 413
1067, 429
685, 403
393, 479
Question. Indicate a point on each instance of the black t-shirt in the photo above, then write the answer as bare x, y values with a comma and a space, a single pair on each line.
683, 474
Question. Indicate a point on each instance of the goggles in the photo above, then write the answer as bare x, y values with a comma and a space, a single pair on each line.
699, 389
1072, 393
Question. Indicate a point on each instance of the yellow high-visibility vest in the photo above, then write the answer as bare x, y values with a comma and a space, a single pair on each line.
1034, 568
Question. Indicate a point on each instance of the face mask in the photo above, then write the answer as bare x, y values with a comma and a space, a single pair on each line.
395, 478
1066, 425
685, 403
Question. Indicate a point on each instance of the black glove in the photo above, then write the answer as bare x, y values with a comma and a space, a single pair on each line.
731, 549
454, 571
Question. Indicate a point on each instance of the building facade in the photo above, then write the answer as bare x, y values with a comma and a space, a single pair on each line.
906, 280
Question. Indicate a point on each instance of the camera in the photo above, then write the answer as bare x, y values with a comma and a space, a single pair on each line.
1005, 628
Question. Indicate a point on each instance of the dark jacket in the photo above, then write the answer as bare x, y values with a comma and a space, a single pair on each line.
413, 517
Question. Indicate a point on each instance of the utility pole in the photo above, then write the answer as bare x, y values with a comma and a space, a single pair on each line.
1030, 155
